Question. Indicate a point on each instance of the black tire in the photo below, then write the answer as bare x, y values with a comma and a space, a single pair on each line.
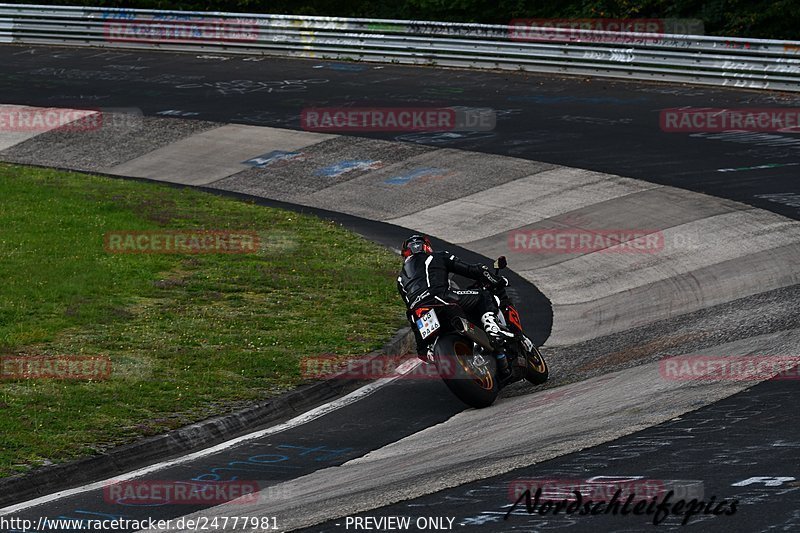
536, 369
476, 386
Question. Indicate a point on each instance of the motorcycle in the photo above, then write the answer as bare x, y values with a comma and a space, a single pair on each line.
464, 356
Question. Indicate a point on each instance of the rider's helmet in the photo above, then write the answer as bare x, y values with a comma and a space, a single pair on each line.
416, 244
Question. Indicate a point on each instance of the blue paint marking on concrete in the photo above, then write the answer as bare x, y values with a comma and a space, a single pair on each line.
427, 172
349, 165
276, 156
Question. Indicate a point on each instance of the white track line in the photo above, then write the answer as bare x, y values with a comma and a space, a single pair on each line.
304, 418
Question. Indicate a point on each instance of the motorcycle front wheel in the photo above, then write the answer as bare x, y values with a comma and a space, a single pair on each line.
536, 369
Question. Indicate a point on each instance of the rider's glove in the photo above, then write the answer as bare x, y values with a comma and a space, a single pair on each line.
491, 279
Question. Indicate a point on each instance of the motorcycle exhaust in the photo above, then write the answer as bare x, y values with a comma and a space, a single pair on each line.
475, 334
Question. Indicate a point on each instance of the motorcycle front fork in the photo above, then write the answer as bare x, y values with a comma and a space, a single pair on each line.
527, 343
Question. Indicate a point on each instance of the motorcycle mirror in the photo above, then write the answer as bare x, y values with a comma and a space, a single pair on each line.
501, 262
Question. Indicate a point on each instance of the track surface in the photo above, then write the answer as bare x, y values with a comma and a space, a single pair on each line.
600, 125
337, 437
750, 439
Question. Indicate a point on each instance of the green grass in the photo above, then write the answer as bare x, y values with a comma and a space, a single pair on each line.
189, 335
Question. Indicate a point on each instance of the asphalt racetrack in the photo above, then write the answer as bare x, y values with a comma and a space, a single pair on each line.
737, 444
601, 125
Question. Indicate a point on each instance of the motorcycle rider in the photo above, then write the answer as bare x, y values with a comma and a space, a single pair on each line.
424, 280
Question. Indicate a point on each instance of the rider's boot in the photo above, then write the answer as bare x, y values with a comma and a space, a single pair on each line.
498, 336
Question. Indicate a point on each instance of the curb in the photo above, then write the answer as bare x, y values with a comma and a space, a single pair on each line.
55, 478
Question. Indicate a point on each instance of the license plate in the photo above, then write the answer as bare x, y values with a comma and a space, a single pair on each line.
427, 324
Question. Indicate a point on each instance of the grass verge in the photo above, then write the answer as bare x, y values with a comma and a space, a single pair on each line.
188, 335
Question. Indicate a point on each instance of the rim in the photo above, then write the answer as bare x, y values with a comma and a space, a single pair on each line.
536, 362
480, 375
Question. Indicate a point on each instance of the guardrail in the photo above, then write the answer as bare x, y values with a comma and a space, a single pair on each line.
738, 62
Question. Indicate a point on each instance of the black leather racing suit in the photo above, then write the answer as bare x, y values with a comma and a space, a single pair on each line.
424, 280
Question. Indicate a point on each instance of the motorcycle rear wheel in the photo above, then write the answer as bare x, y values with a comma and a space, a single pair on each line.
471, 377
